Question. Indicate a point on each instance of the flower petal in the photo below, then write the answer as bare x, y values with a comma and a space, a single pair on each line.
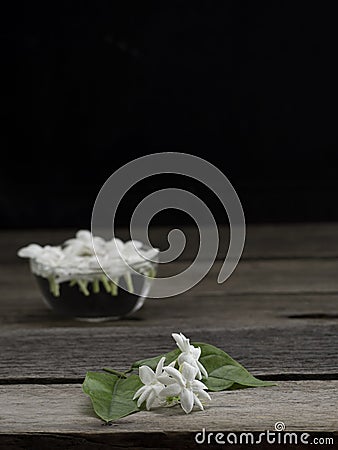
198, 385
198, 402
31, 251
146, 374
139, 392
202, 369
188, 371
187, 400
166, 379
203, 395
185, 343
143, 396
179, 340
84, 236
150, 399
171, 391
159, 368
176, 375
186, 357
195, 351
158, 388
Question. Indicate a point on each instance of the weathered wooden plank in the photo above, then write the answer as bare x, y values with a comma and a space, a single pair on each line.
250, 277
29, 311
263, 241
262, 277
288, 350
63, 409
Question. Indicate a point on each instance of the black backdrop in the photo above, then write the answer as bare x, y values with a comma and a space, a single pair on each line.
89, 86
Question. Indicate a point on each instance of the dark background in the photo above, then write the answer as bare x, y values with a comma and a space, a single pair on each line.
89, 86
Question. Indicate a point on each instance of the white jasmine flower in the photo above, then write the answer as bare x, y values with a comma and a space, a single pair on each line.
82, 244
52, 256
190, 354
31, 251
131, 246
85, 257
114, 248
152, 386
182, 383
44, 255
131, 252
108, 262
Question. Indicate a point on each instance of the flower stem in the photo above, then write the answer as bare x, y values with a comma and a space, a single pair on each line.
54, 287
96, 286
114, 372
57, 290
129, 282
105, 283
152, 272
113, 288
83, 287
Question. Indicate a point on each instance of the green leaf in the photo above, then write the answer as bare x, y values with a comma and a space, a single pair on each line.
111, 396
224, 372
152, 362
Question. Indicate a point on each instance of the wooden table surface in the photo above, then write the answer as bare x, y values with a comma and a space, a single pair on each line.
277, 315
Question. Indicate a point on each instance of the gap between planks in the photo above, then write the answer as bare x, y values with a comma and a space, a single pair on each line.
77, 380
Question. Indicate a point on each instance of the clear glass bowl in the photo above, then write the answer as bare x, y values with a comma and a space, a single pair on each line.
94, 305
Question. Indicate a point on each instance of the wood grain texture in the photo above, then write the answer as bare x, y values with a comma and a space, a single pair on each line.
267, 276
301, 277
211, 310
65, 353
271, 276
263, 241
305, 405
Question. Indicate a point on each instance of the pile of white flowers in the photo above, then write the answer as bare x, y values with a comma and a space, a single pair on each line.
168, 386
77, 261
